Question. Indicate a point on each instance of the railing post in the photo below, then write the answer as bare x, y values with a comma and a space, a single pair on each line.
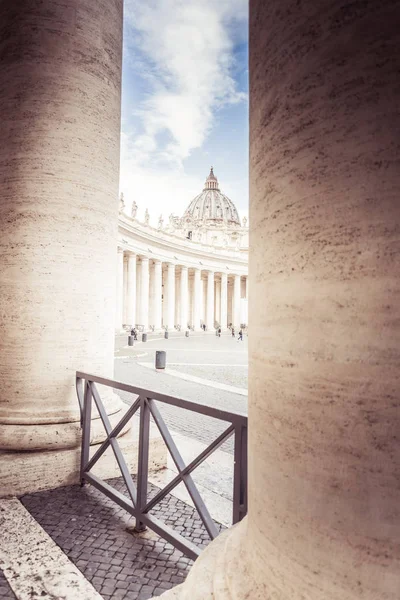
240, 474
143, 462
86, 422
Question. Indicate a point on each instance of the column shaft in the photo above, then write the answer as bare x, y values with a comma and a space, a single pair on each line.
197, 299
218, 301
144, 292
236, 301
224, 300
120, 289
184, 297
324, 348
60, 68
157, 294
131, 290
171, 296
125, 291
210, 300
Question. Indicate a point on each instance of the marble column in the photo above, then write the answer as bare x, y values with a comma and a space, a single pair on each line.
224, 300
131, 290
157, 314
236, 300
184, 286
210, 300
60, 86
171, 295
247, 287
197, 299
144, 291
119, 313
324, 418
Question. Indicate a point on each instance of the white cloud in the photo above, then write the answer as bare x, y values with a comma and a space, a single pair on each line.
183, 49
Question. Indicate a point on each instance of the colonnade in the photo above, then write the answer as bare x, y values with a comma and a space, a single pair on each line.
156, 293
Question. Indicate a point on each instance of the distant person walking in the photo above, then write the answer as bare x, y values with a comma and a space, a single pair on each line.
134, 333
233, 332
240, 337
219, 331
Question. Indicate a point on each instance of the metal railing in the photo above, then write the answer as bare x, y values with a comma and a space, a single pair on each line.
137, 504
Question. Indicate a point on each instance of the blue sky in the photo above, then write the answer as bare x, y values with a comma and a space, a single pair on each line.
184, 102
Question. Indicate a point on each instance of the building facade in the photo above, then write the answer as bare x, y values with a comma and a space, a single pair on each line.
191, 272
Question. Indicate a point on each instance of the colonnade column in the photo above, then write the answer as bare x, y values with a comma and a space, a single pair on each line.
218, 301
171, 295
236, 301
197, 299
224, 300
157, 294
324, 419
120, 289
131, 290
144, 292
184, 297
58, 216
210, 300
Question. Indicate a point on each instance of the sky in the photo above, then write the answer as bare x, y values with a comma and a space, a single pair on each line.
184, 103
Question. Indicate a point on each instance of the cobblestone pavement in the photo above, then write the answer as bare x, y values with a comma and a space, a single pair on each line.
92, 531
6, 592
200, 351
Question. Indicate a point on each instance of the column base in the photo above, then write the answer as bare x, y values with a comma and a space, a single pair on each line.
31, 435
28, 472
220, 573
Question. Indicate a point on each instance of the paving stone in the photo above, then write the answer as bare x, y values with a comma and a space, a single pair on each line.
120, 565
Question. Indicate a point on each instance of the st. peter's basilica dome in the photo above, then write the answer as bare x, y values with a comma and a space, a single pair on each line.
211, 207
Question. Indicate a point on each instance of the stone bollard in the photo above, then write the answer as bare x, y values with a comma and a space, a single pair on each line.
130, 340
161, 359
166, 335
144, 337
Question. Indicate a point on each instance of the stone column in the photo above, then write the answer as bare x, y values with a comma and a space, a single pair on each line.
177, 315
197, 299
131, 290
236, 300
60, 104
144, 292
151, 292
157, 314
324, 416
210, 300
224, 300
119, 313
218, 300
125, 290
247, 287
171, 296
184, 297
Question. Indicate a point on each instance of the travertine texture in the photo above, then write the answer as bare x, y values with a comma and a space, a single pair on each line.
33, 563
24, 472
324, 416
59, 164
